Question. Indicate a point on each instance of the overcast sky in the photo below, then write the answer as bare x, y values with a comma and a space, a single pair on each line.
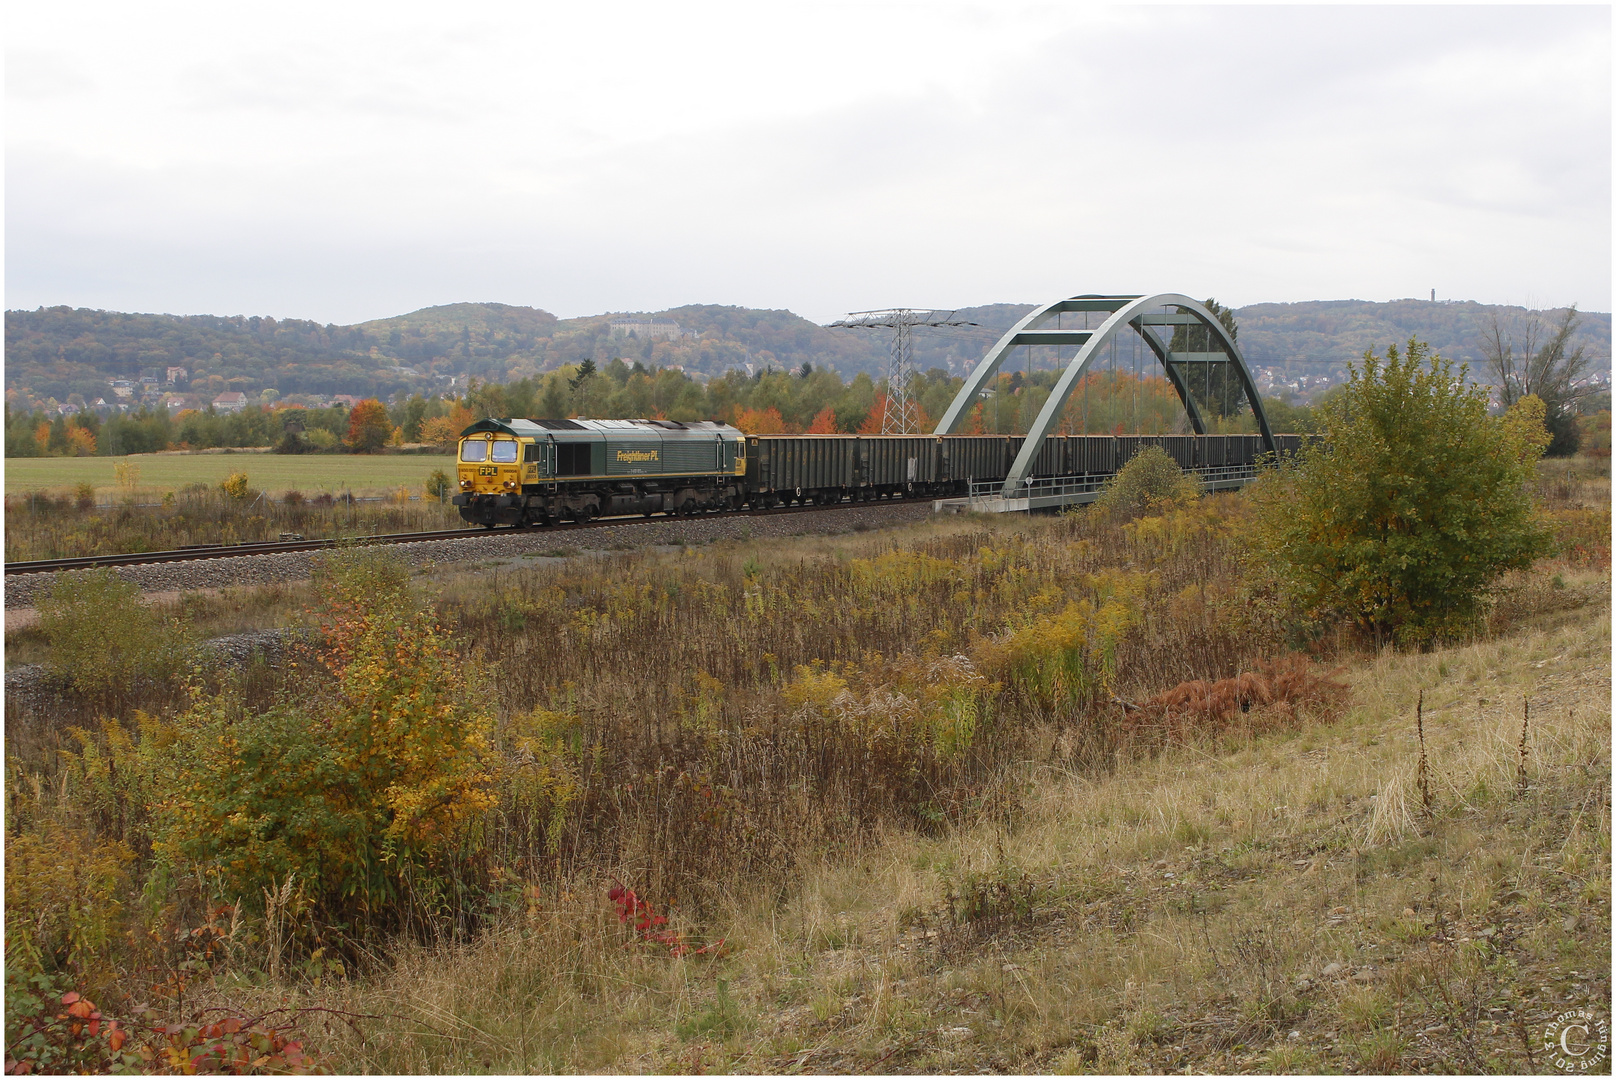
344, 162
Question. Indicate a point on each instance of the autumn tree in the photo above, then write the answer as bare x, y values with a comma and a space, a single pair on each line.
1410, 506
824, 421
876, 418
761, 421
368, 426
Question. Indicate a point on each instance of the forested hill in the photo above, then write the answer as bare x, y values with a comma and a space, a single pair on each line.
1326, 332
52, 353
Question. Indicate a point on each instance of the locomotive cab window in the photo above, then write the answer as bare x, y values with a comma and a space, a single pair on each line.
530, 453
474, 450
504, 451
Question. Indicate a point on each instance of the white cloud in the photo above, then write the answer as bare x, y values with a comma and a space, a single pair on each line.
342, 162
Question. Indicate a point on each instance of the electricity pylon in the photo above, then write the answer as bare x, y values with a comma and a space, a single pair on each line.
902, 416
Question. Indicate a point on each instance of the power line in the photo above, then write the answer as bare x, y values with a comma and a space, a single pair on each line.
902, 416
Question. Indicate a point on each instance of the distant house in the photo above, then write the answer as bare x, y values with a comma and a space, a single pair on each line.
347, 401
178, 375
233, 401
123, 391
645, 329
68, 409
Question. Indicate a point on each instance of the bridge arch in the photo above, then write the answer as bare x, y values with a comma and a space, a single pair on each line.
1138, 312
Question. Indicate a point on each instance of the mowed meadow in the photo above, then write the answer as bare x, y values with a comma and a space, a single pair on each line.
154, 474
75, 506
1015, 794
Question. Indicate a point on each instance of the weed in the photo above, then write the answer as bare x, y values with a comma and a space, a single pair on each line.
102, 638
721, 1019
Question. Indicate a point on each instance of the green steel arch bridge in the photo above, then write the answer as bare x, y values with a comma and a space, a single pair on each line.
1177, 332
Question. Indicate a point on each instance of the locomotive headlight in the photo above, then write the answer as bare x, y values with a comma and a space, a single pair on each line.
465, 484
510, 485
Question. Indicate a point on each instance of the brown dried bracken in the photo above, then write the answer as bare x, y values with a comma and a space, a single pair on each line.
1278, 691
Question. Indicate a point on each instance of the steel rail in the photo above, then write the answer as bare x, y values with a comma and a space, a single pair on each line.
280, 547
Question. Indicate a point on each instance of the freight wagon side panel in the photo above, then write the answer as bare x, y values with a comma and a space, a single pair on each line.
760, 455
1095, 454
974, 457
1051, 457
894, 460
1181, 448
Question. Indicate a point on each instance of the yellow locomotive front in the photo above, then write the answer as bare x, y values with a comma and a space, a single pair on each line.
491, 466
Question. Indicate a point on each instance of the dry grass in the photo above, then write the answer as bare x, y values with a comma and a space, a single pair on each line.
40, 527
769, 738
1179, 913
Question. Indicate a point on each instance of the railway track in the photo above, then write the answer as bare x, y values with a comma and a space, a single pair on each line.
277, 547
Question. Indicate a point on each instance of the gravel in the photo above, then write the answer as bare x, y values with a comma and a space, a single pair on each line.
34, 687
21, 590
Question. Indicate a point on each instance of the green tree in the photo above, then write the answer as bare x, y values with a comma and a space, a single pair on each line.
1286, 415
1533, 358
1411, 505
1216, 386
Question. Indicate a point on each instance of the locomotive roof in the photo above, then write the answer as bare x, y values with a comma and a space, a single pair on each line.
538, 428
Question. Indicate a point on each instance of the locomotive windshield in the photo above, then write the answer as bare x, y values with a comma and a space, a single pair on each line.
474, 450
504, 451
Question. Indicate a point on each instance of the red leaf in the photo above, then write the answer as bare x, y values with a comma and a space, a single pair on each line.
70, 997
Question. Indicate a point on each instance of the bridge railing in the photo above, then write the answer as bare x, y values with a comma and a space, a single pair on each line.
1076, 490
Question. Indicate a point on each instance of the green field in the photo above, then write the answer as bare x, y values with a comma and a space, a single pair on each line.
309, 473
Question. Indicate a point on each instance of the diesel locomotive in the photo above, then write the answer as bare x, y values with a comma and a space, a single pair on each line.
534, 472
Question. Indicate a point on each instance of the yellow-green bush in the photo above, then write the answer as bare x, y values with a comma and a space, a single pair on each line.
102, 637
1065, 659
365, 791
1149, 483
